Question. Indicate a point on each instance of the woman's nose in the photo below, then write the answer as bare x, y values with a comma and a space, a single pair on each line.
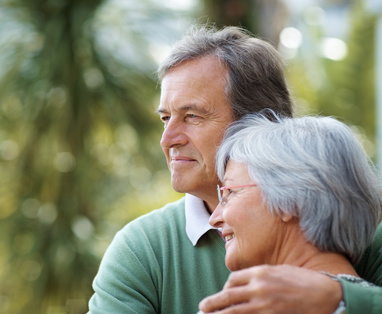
216, 219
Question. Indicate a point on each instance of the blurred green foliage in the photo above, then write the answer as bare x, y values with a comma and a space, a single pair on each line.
341, 88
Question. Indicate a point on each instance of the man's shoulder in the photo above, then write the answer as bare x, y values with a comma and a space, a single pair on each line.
168, 219
152, 236
378, 236
376, 247
174, 211
369, 267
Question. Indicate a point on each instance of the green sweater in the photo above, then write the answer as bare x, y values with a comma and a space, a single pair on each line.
366, 300
152, 267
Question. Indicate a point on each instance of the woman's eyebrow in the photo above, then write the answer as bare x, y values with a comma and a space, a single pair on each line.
227, 179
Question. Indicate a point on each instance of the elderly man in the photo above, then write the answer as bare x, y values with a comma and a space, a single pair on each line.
170, 259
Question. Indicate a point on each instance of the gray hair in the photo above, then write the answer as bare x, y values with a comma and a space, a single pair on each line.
256, 71
312, 168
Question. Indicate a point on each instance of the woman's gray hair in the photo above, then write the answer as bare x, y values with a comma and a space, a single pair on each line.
312, 168
256, 71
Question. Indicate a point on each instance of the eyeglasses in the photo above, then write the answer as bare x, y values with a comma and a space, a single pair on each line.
225, 191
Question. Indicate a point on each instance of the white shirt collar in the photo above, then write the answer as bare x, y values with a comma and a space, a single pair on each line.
197, 218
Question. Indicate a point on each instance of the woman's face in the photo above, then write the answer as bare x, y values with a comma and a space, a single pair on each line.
251, 232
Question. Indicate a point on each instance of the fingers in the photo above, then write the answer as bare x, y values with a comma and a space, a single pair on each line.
223, 299
242, 300
240, 288
245, 276
244, 308
237, 278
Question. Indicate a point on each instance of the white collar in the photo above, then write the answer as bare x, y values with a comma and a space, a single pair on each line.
197, 218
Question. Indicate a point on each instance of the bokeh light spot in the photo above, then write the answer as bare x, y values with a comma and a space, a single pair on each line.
64, 162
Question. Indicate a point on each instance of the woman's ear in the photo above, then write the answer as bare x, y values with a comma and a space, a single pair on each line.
286, 217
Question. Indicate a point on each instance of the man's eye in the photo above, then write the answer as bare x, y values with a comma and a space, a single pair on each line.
165, 120
191, 115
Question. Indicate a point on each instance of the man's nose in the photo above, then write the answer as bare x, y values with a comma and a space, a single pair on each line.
216, 219
173, 135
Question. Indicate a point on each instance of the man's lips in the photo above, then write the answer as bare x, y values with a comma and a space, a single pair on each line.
181, 159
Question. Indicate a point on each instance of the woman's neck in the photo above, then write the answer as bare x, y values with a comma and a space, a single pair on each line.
296, 251
332, 263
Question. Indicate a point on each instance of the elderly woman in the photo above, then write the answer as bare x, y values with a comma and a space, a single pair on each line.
296, 191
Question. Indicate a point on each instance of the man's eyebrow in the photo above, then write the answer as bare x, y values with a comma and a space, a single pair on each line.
196, 108
185, 108
160, 110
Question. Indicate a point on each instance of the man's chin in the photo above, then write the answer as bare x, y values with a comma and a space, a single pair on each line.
179, 189
180, 186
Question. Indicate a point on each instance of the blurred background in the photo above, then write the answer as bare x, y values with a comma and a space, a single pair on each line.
79, 139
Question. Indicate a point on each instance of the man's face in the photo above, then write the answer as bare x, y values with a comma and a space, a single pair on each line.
195, 113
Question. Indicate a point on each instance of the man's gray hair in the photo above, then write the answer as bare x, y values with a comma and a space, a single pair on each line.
255, 69
312, 168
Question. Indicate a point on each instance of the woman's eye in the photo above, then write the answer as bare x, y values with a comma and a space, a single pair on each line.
227, 193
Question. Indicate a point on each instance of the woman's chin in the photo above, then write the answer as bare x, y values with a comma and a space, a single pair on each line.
231, 265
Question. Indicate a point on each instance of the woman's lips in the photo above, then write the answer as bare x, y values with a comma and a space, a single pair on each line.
229, 237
